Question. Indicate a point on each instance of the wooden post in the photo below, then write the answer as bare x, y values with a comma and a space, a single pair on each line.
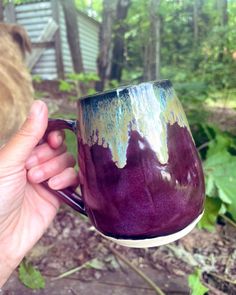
57, 40
10, 13
1, 11
46, 36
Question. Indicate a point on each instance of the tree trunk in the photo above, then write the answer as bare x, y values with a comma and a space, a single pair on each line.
1, 11
119, 40
223, 22
222, 8
155, 42
146, 62
195, 22
73, 34
152, 51
104, 58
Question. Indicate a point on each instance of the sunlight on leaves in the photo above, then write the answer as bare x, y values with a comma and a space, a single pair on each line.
195, 284
220, 167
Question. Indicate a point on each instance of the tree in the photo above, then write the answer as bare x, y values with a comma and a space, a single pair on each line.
120, 28
104, 58
195, 21
152, 48
223, 22
1, 11
72, 30
92, 8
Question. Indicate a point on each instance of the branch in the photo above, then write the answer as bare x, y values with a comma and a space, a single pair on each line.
137, 270
228, 220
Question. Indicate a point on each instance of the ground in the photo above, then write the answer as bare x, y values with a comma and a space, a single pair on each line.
72, 242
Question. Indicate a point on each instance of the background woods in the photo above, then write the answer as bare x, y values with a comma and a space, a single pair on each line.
185, 40
111, 43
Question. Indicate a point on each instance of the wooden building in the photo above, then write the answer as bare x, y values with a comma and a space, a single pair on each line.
45, 24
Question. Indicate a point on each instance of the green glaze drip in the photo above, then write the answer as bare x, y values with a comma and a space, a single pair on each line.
147, 109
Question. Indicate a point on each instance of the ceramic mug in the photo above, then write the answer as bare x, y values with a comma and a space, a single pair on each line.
142, 181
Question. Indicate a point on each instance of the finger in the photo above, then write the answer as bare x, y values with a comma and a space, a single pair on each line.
42, 154
50, 168
66, 178
55, 138
22, 143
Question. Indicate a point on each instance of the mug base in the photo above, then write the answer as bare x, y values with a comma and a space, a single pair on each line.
155, 242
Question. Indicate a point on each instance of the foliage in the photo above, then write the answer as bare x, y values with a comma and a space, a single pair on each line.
197, 64
92, 8
83, 77
212, 208
195, 284
37, 79
71, 141
66, 86
39, 94
16, 2
220, 177
71, 84
30, 276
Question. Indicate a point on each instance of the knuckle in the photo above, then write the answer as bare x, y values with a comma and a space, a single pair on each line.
71, 159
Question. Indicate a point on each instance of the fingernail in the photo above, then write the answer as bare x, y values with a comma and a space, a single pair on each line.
54, 182
36, 108
60, 139
31, 162
38, 176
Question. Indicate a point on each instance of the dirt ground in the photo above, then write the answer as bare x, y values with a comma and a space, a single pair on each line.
71, 242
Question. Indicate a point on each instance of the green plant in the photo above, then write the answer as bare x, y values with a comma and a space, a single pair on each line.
30, 276
66, 86
70, 137
37, 78
195, 284
40, 94
220, 177
71, 84
83, 77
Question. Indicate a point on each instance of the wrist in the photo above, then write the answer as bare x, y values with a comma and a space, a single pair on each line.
7, 265
5, 271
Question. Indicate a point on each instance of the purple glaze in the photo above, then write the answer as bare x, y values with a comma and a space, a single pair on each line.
137, 199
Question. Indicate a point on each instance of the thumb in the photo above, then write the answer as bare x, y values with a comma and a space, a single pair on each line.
23, 142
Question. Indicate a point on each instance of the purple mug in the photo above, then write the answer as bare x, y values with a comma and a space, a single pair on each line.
142, 181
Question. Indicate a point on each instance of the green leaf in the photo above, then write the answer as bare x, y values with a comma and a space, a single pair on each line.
224, 197
30, 276
66, 86
232, 209
210, 186
96, 264
212, 208
195, 284
221, 143
220, 167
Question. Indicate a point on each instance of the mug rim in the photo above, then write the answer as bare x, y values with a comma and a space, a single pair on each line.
161, 83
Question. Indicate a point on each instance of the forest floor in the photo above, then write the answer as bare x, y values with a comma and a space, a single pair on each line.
72, 242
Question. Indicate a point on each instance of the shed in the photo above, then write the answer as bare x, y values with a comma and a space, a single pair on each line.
45, 24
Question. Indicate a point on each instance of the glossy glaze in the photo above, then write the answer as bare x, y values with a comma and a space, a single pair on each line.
148, 108
142, 176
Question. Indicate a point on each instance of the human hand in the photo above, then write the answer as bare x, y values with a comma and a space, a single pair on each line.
27, 208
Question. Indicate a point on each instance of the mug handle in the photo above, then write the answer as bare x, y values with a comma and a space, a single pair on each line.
68, 195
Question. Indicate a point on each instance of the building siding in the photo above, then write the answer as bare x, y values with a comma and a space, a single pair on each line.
35, 16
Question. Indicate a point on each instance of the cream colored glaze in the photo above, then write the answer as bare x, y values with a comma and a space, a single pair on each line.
146, 108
